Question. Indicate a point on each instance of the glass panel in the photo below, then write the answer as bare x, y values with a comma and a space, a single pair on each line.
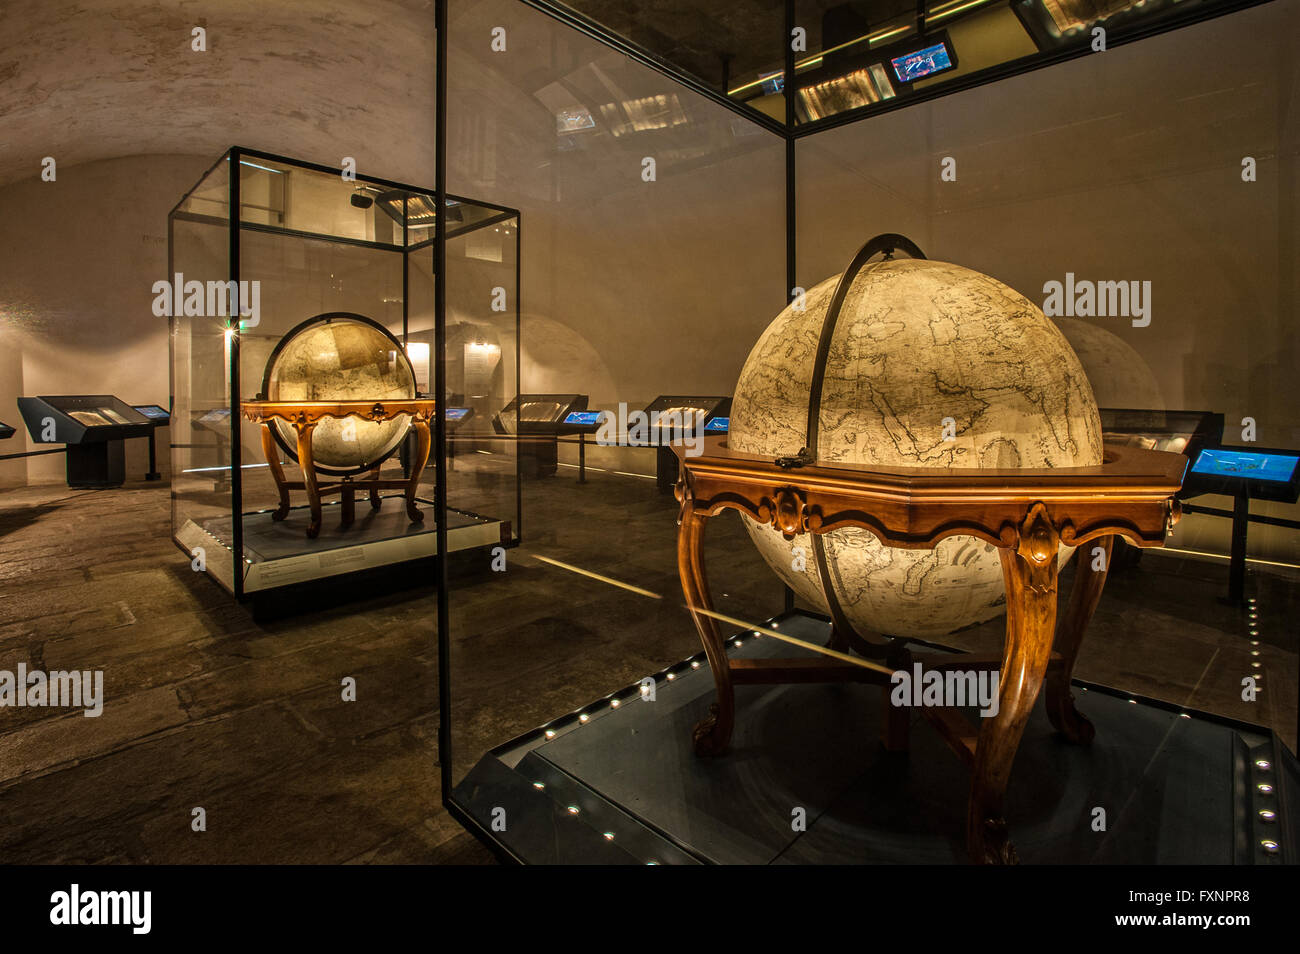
328, 326
288, 196
868, 54
482, 361
643, 285
1086, 173
200, 354
733, 48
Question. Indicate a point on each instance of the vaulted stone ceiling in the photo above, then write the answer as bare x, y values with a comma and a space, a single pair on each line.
84, 81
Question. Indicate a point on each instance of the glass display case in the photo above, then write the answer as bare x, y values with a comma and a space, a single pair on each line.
582, 690
848, 58
302, 347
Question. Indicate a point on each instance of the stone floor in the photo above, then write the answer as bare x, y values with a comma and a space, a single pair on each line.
206, 707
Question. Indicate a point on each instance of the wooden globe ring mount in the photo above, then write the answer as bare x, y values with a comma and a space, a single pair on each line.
844, 634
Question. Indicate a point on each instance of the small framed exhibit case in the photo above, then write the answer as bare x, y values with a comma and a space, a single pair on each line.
93, 426
536, 421
673, 411
337, 374
1179, 432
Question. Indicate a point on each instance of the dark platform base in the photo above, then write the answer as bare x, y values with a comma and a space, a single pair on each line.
97, 465
1175, 788
315, 596
538, 455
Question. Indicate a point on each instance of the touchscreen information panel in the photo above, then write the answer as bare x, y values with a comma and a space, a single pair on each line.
924, 62
584, 418
1222, 462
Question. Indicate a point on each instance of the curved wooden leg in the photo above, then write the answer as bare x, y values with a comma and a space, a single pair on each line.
308, 465
1030, 576
1084, 596
422, 443
272, 454
376, 501
713, 733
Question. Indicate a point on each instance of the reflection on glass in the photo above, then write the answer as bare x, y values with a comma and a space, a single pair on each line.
648, 112
1070, 15
859, 88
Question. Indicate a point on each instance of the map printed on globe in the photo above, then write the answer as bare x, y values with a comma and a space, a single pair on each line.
918, 344
342, 359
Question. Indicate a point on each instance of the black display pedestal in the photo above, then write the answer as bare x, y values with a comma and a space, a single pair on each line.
538, 455
666, 469
1237, 557
153, 473
97, 465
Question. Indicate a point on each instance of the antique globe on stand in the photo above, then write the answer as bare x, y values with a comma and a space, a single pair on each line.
341, 357
907, 362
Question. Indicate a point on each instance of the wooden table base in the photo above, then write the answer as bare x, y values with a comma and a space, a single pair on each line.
1028, 515
303, 417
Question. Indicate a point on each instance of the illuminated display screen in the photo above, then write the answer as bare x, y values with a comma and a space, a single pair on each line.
584, 418
152, 411
1221, 462
718, 425
457, 413
925, 62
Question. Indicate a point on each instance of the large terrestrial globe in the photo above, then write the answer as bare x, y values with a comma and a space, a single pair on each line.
916, 342
342, 357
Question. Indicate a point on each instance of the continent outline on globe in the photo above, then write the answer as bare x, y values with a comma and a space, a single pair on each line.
915, 341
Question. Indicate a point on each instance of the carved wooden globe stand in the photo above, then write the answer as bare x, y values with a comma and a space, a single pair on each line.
339, 397
304, 417
1025, 514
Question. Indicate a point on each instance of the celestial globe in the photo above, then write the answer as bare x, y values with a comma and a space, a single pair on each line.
342, 357
929, 365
